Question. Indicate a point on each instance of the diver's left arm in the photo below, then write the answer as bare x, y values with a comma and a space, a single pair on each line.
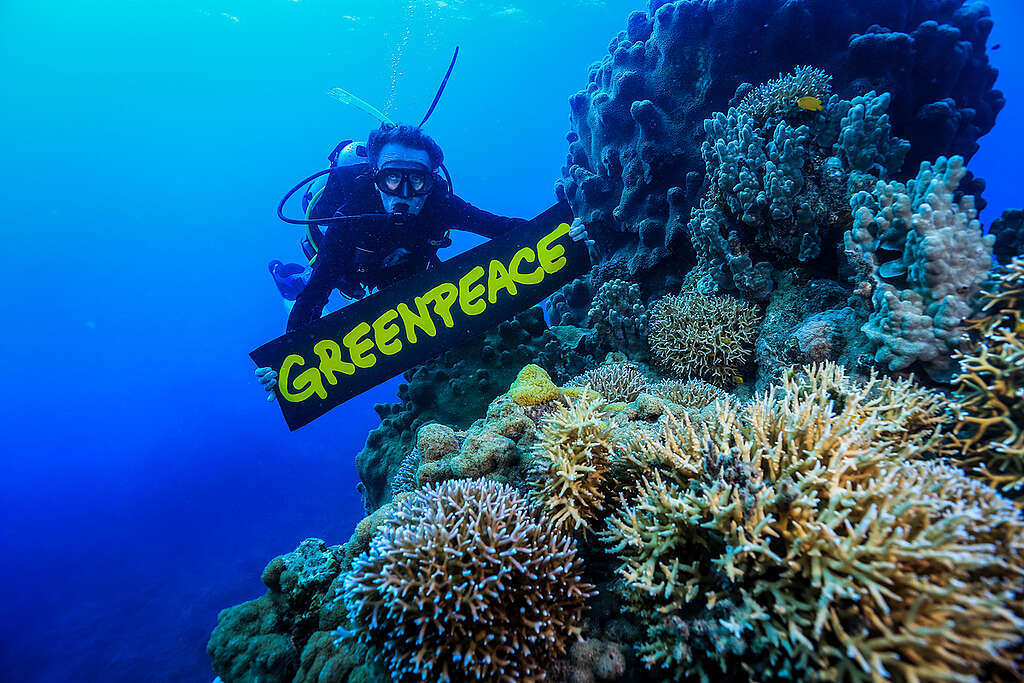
461, 215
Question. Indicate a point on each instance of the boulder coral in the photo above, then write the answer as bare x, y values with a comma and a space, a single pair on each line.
465, 583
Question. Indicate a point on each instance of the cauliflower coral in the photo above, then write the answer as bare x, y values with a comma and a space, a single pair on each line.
463, 582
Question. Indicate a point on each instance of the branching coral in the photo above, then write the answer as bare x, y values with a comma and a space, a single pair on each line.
464, 583
615, 381
778, 192
694, 393
990, 387
700, 336
572, 460
928, 258
405, 477
797, 535
619, 316
779, 96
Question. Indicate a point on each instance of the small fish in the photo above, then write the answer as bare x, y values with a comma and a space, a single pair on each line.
737, 379
810, 103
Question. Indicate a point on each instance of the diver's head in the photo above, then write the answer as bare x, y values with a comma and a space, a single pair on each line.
404, 160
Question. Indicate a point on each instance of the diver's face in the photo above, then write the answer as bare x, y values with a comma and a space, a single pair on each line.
395, 155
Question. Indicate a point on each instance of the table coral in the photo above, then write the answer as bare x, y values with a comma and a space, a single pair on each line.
464, 583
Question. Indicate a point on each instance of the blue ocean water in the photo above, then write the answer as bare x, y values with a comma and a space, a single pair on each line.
145, 481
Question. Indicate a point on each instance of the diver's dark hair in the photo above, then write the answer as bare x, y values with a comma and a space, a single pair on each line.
403, 134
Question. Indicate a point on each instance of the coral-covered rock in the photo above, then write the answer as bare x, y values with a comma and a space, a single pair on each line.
1009, 232
632, 171
451, 389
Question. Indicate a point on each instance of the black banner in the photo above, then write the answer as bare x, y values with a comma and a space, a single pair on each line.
353, 349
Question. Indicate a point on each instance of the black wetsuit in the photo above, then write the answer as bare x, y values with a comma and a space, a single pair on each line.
354, 252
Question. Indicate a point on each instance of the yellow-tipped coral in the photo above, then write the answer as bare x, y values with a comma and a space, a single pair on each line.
533, 386
572, 459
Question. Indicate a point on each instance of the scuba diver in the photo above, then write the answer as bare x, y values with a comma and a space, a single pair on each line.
387, 209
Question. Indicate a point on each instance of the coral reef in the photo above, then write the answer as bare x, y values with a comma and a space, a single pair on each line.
449, 389
631, 171
405, 477
463, 583
778, 191
615, 381
1009, 232
990, 388
573, 457
694, 393
801, 536
928, 259
703, 337
781, 96
618, 316
285, 635
497, 447
532, 386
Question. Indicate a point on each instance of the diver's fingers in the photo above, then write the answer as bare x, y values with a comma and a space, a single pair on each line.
271, 397
590, 243
260, 372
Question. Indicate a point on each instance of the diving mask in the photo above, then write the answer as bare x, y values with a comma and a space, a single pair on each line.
404, 182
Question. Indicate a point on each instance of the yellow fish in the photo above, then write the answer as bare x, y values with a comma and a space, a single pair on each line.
810, 103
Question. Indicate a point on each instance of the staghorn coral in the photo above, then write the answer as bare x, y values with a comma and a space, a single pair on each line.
615, 381
572, 459
798, 538
990, 387
927, 258
703, 337
778, 97
464, 583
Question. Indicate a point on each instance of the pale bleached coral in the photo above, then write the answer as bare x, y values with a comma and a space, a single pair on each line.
928, 258
798, 537
990, 388
615, 381
464, 583
704, 337
572, 459
694, 393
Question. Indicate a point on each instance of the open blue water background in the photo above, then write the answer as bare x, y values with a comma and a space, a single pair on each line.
143, 146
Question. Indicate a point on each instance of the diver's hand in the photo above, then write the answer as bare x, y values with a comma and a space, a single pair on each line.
396, 258
268, 378
578, 233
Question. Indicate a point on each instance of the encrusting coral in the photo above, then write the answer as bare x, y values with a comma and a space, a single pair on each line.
701, 336
465, 583
532, 386
572, 459
799, 537
990, 388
